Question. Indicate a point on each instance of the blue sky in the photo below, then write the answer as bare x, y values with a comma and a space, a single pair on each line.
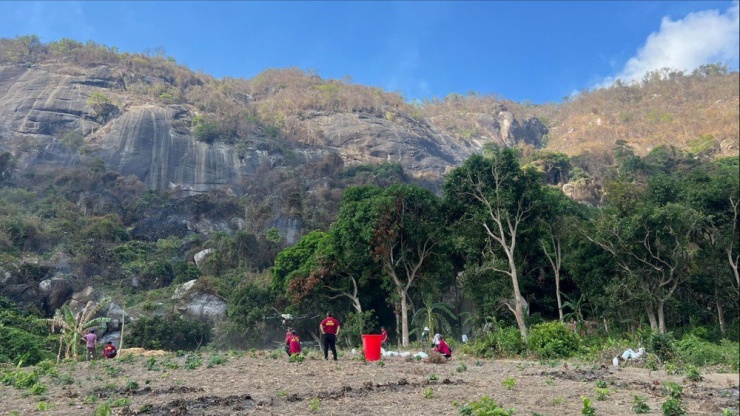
539, 51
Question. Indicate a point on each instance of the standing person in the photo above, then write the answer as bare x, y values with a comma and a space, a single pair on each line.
443, 348
384, 341
329, 328
92, 343
294, 345
109, 351
425, 334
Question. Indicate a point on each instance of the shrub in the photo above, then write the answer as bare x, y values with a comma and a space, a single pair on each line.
170, 334
553, 340
501, 342
662, 345
696, 351
17, 344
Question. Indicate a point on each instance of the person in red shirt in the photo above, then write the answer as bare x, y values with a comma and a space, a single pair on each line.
294, 344
109, 351
384, 341
288, 335
443, 348
329, 328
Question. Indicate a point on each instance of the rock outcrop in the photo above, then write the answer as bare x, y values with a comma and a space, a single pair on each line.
48, 116
197, 304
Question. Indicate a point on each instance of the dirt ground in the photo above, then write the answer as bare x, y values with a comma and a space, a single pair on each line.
256, 383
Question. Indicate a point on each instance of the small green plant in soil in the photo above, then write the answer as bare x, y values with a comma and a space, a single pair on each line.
558, 400
550, 381
281, 393
120, 402
132, 385
216, 359
103, 410
692, 374
462, 368
45, 406
314, 405
602, 394
433, 377
484, 406
639, 404
509, 383
673, 406
193, 361
38, 389
588, 409
297, 358
151, 364
428, 393
601, 384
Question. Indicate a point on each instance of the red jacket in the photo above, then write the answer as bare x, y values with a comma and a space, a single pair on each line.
109, 351
384, 333
330, 325
443, 348
295, 345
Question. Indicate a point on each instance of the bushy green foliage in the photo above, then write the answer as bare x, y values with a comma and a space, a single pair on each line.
169, 334
553, 340
500, 342
19, 345
698, 352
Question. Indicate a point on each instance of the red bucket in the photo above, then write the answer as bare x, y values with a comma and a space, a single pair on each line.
371, 345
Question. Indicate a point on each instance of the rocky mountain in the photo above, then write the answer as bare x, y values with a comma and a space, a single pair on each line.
48, 115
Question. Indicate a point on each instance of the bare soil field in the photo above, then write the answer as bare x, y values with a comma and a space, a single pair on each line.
266, 383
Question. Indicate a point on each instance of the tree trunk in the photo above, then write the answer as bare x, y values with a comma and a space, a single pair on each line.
404, 318
651, 317
661, 317
519, 308
720, 312
557, 295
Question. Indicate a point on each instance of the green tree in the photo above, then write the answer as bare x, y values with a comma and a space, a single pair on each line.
652, 241
503, 201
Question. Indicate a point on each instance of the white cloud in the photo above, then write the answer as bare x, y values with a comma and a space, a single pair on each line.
703, 37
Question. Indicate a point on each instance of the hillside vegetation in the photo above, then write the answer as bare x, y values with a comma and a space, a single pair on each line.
493, 249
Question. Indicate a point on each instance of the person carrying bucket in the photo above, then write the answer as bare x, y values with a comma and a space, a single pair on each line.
329, 328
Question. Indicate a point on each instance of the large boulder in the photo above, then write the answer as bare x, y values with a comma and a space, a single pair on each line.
81, 298
55, 293
198, 304
200, 257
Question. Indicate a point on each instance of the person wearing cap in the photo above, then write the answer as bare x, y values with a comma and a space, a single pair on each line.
92, 342
329, 328
425, 334
294, 344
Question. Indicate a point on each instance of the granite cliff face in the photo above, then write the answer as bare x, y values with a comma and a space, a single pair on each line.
49, 116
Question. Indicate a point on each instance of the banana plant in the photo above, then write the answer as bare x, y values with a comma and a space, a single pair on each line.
435, 315
72, 326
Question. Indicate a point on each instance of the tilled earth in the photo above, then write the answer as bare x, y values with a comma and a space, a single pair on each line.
261, 383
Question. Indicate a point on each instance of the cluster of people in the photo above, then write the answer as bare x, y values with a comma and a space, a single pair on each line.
91, 341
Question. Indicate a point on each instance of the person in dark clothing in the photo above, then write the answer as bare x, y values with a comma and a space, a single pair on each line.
329, 328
